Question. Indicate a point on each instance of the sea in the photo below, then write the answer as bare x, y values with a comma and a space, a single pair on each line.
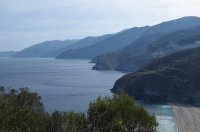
67, 85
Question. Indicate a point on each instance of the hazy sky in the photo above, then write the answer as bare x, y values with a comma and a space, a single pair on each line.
27, 22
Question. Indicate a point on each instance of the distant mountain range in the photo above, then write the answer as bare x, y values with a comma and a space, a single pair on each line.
6, 53
51, 49
159, 40
48, 49
128, 50
164, 59
113, 43
174, 78
88, 41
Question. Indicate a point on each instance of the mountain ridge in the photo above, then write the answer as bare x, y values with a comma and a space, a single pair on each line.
45, 49
115, 42
6, 53
124, 58
174, 78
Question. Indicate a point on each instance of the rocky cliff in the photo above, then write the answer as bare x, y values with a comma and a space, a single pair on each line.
175, 78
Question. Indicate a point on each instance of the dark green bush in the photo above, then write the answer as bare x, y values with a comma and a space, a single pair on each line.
119, 114
23, 111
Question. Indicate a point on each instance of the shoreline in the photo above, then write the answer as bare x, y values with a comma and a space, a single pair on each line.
187, 118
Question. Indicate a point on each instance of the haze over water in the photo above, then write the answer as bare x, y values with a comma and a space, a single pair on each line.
69, 85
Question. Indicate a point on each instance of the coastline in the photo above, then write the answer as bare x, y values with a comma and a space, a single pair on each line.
187, 118
164, 115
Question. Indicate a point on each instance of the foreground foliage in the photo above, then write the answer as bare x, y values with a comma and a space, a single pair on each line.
23, 111
119, 114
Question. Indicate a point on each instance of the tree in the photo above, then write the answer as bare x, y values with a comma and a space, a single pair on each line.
23, 111
119, 113
68, 122
75, 122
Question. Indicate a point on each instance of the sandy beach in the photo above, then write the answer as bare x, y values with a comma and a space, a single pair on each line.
187, 118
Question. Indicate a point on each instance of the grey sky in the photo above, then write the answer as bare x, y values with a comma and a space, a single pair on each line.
26, 22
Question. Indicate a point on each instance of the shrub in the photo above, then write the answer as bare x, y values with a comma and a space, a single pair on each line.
119, 113
23, 111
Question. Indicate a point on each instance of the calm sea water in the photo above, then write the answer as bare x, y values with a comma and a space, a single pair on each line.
69, 85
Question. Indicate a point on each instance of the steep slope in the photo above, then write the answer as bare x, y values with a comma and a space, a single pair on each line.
157, 43
122, 59
46, 49
174, 78
6, 53
88, 41
112, 43
51, 49
174, 25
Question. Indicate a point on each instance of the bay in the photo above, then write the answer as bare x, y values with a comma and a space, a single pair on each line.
70, 85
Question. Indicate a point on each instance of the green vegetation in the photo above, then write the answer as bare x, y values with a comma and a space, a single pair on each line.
170, 79
23, 111
119, 114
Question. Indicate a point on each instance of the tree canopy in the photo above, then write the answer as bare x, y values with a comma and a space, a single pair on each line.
119, 113
23, 111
